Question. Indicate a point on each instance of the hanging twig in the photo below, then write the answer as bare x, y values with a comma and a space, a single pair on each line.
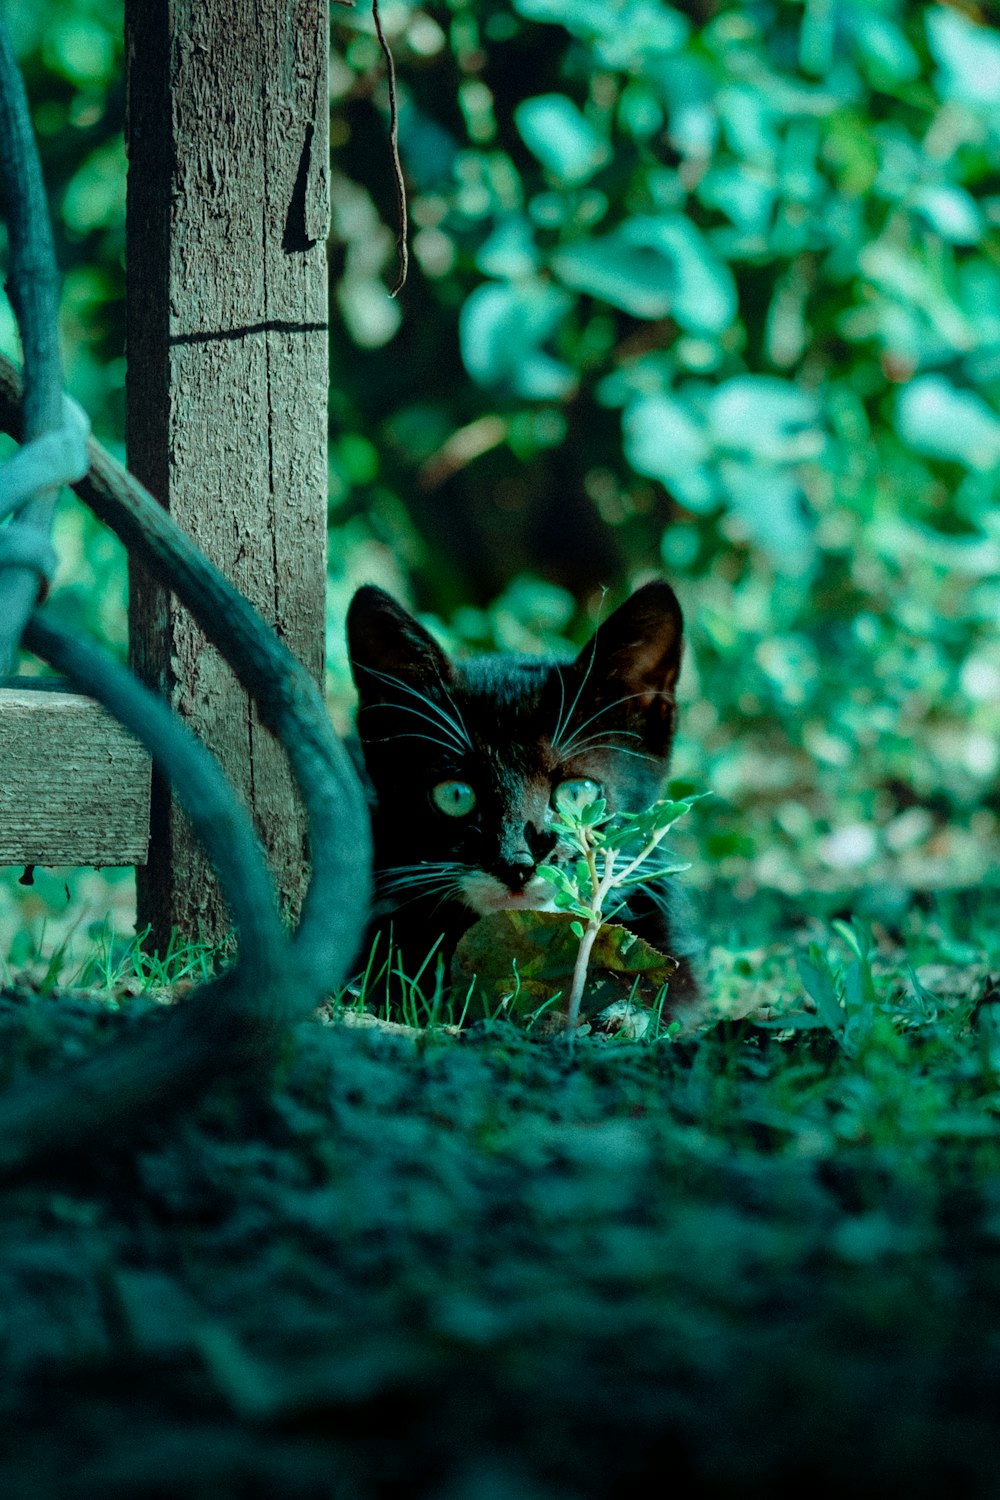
402, 249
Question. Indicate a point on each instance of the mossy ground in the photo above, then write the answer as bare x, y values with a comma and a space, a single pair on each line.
482, 1266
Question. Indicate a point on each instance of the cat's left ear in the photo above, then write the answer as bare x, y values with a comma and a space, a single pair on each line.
388, 648
630, 665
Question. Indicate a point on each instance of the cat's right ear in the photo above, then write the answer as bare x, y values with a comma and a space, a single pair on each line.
630, 666
386, 645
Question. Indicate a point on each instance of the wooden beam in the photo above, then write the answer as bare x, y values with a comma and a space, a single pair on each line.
74, 785
228, 208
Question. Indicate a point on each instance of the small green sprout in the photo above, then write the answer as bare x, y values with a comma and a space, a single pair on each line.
614, 853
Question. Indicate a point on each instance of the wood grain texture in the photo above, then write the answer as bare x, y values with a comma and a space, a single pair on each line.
228, 207
74, 785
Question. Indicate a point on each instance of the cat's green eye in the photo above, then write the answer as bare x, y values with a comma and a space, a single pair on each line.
573, 796
456, 798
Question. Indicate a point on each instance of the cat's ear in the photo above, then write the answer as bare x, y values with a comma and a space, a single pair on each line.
387, 645
629, 668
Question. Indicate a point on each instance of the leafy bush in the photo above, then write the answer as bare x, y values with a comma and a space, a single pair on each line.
723, 287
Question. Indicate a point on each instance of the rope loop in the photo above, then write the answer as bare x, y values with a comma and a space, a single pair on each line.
57, 457
24, 546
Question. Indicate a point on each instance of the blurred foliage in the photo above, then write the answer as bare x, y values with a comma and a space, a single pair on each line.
710, 288
714, 289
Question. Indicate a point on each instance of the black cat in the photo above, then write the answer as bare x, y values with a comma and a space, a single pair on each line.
466, 758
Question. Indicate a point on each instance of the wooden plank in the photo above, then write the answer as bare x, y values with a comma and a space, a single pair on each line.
228, 208
74, 785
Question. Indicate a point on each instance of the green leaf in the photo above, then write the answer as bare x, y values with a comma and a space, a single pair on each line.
594, 813
704, 298
751, 124
639, 111
968, 56
666, 812
544, 948
883, 46
859, 992
624, 35
951, 211
564, 140
664, 441
576, 928
651, 266
742, 194
819, 986
95, 196
935, 417
81, 49
858, 943
510, 250
635, 278
766, 417
768, 502
501, 328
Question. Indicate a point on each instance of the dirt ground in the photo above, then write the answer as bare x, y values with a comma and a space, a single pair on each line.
476, 1268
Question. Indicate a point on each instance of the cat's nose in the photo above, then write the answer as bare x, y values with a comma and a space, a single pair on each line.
541, 841
516, 872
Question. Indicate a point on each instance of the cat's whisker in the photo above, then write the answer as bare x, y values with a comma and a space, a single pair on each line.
561, 726
427, 864
403, 878
451, 892
416, 886
598, 744
602, 737
454, 725
402, 894
557, 744
407, 890
604, 708
458, 721
425, 870
654, 866
424, 895
422, 887
413, 734
453, 742
568, 745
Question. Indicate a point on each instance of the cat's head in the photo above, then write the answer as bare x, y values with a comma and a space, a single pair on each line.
469, 758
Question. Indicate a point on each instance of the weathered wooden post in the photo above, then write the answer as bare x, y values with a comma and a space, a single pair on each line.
228, 205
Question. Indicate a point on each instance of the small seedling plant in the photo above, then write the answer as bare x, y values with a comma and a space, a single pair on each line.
615, 853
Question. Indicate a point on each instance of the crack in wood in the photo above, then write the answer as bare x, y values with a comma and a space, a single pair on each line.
268, 325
